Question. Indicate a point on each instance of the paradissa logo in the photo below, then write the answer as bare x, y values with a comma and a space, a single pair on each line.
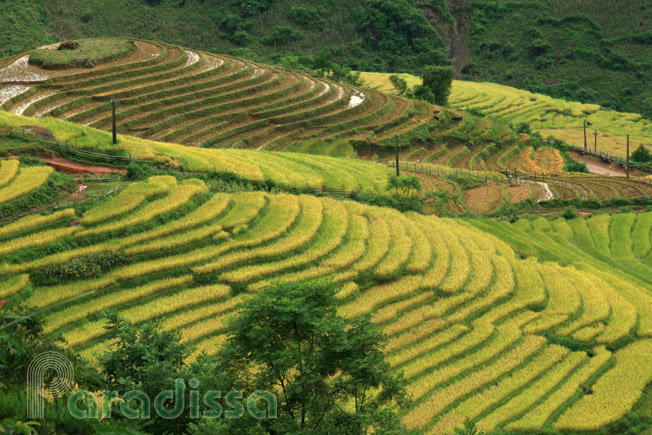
170, 404
51, 375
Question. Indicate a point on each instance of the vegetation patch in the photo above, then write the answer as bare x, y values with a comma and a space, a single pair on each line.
82, 53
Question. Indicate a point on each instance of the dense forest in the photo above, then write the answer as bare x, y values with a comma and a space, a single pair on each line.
591, 51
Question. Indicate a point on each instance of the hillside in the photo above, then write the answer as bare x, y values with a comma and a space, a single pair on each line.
477, 329
267, 29
575, 50
202, 100
513, 286
549, 116
594, 52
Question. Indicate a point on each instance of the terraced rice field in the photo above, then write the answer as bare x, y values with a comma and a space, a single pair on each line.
477, 329
549, 116
19, 183
291, 170
554, 117
487, 157
171, 94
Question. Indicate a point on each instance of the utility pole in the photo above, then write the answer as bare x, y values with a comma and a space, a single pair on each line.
398, 171
627, 156
596, 142
585, 144
115, 133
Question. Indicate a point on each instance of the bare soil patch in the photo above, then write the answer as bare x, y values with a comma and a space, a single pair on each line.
598, 167
70, 167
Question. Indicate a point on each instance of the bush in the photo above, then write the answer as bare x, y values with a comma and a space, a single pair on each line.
570, 213
642, 155
137, 171
407, 191
80, 268
575, 166
570, 164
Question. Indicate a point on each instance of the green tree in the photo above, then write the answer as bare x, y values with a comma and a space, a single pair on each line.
441, 199
281, 35
407, 191
642, 155
398, 33
401, 86
329, 372
439, 81
145, 358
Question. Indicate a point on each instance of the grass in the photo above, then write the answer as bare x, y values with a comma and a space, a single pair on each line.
95, 50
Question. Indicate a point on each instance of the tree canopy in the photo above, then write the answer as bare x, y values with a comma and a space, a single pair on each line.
328, 371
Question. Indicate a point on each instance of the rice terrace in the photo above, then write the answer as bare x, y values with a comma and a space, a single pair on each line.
409, 249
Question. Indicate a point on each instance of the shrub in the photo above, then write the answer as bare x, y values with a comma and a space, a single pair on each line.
575, 166
80, 268
407, 191
540, 47
137, 171
570, 213
642, 155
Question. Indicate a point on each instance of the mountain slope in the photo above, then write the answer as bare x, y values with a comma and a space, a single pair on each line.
374, 33
479, 329
550, 116
577, 50
583, 51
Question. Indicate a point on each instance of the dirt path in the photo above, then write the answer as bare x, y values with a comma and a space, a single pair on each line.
70, 167
598, 167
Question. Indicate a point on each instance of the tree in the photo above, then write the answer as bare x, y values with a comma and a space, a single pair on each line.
401, 86
328, 372
145, 358
642, 155
441, 199
407, 191
439, 81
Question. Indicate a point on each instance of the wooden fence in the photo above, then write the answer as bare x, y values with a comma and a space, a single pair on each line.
426, 169
64, 147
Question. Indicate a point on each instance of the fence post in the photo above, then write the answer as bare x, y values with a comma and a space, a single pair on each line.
628, 156
596, 143
115, 133
398, 171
